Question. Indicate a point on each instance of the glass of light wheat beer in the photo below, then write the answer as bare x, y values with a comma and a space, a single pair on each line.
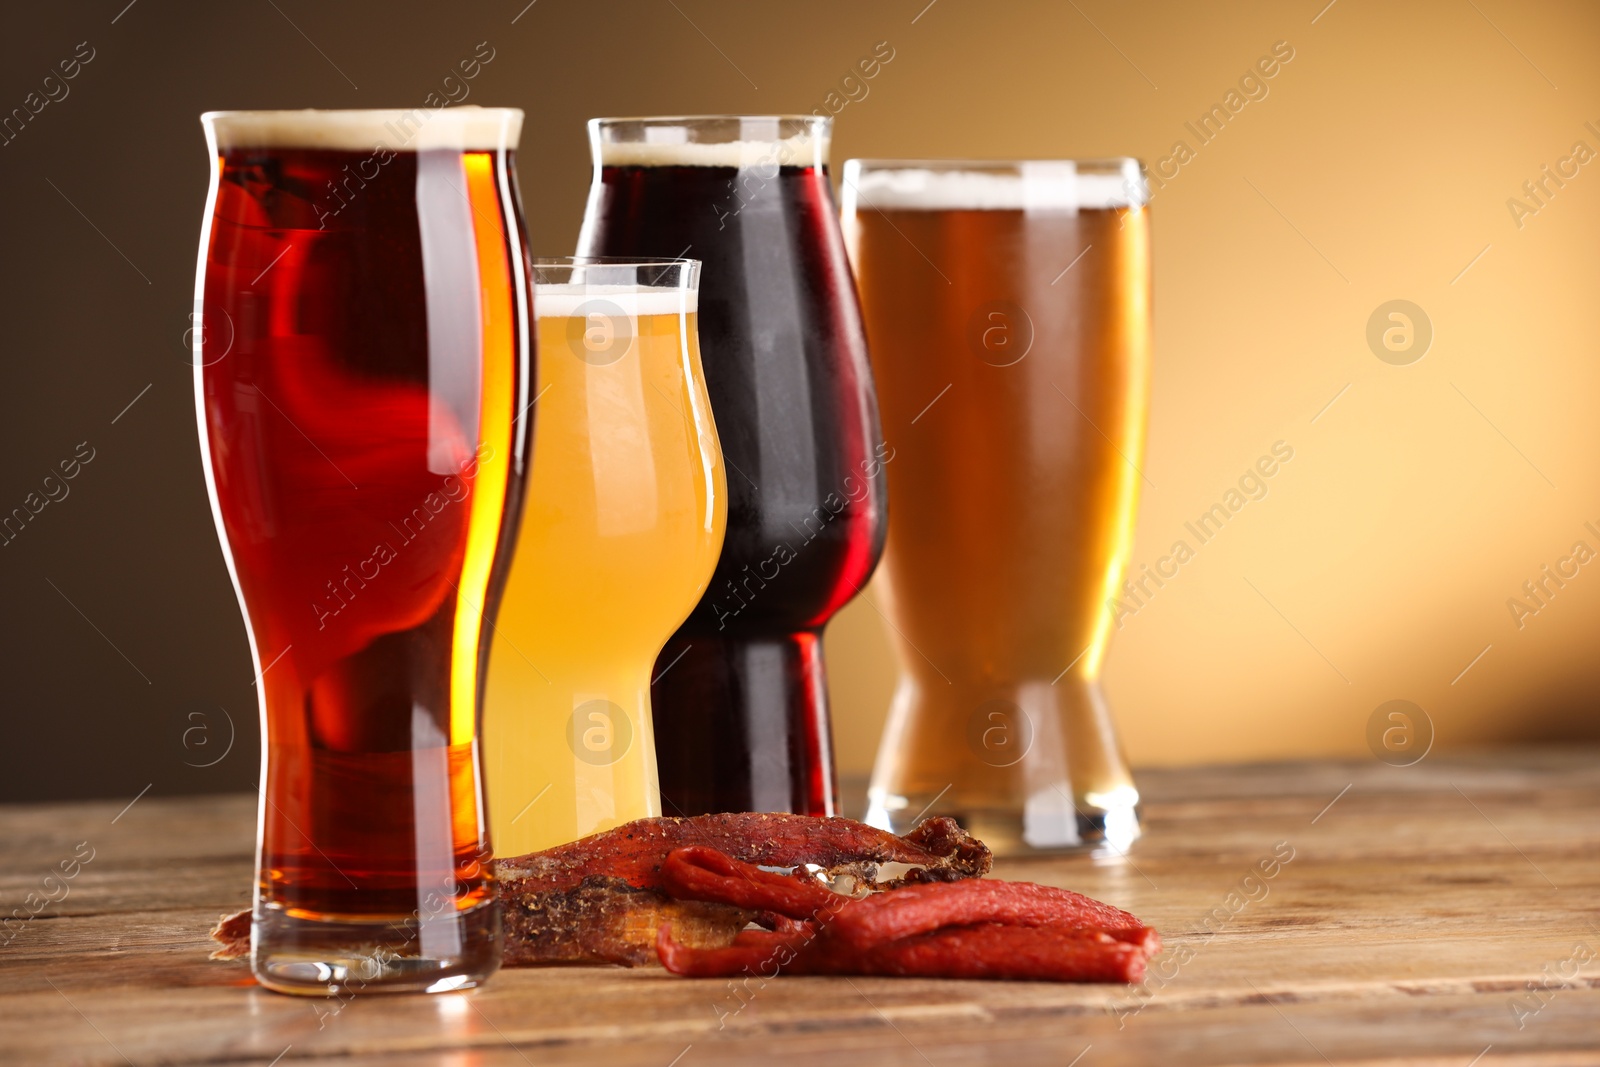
625, 514
1007, 307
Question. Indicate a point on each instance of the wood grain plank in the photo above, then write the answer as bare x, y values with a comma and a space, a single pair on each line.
1407, 927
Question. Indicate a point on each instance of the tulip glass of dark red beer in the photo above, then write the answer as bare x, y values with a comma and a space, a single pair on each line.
1016, 295
739, 692
362, 355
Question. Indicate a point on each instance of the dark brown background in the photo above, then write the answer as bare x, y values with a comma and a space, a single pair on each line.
1378, 166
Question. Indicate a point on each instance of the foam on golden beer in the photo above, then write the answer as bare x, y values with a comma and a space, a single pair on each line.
636, 301
469, 128
1031, 186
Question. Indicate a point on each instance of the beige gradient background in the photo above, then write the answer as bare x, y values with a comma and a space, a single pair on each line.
1378, 167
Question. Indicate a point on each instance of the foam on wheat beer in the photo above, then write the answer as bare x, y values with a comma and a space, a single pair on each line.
565, 301
469, 128
1034, 186
619, 536
801, 150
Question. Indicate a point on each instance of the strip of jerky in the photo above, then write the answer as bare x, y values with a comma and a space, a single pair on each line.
1015, 953
699, 873
969, 929
634, 852
601, 899
919, 909
981, 951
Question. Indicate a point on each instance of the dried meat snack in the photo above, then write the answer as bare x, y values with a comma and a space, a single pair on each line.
969, 929
634, 852
920, 908
981, 951
601, 899
1016, 953
701, 873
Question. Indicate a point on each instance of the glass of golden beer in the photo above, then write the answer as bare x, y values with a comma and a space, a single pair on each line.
621, 529
1008, 317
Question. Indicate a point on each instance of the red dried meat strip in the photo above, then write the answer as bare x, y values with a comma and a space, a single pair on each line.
601, 899
700, 873
1026, 953
757, 952
635, 851
920, 908
980, 951
973, 929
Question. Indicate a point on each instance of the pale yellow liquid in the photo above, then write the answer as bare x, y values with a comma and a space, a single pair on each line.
621, 528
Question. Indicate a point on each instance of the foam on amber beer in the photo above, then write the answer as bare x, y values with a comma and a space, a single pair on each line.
470, 129
1045, 185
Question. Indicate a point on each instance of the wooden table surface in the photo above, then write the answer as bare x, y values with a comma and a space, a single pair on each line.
1446, 913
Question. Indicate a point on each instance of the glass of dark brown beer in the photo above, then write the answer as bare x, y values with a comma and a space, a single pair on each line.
1008, 307
362, 363
739, 692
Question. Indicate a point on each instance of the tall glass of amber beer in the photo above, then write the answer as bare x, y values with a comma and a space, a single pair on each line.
362, 364
1008, 317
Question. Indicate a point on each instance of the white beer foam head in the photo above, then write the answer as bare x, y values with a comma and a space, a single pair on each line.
1046, 185
468, 128
565, 300
668, 144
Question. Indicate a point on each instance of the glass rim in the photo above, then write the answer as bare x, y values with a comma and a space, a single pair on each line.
614, 261
1109, 183
1108, 162
604, 122
468, 127
258, 112
738, 141
681, 274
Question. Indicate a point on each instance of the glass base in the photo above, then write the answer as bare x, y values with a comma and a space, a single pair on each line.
1034, 830
314, 957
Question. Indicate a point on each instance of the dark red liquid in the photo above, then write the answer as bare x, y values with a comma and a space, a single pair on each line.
362, 356
740, 698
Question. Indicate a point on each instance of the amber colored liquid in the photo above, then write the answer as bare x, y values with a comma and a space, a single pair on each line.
624, 518
1015, 397
358, 387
